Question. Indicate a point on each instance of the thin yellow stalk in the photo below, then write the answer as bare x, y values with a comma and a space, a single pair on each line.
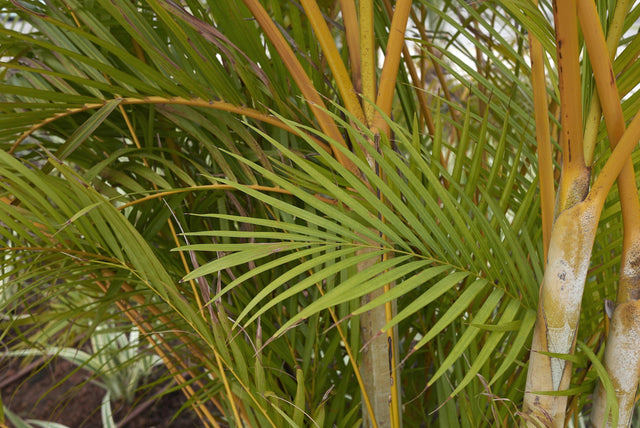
367, 59
303, 81
389, 74
231, 397
593, 117
574, 182
425, 111
612, 109
616, 162
352, 36
617, 26
334, 59
543, 138
591, 128
602, 68
192, 102
421, 30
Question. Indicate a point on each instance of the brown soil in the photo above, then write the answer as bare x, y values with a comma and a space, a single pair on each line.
58, 392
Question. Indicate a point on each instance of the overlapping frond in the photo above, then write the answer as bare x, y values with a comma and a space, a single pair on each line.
442, 251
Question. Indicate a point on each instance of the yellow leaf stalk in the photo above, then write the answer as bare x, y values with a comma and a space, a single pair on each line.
574, 183
303, 81
425, 111
334, 59
543, 138
367, 59
352, 36
388, 76
193, 102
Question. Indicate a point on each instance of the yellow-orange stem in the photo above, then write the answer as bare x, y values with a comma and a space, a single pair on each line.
334, 59
367, 59
389, 74
288, 57
543, 138
419, 90
193, 102
352, 36
574, 182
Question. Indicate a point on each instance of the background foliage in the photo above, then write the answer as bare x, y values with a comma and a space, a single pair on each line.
160, 168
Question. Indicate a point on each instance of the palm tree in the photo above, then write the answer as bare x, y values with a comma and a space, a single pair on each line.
325, 213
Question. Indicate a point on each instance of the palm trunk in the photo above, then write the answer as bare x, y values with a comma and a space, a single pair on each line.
622, 361
377, 355
558, 313
622, 354
375, 363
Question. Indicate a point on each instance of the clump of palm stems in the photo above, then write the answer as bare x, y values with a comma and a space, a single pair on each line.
331, 213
